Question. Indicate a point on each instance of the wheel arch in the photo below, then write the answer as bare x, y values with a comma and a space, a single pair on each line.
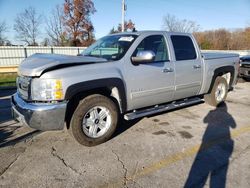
111, 87
220, 72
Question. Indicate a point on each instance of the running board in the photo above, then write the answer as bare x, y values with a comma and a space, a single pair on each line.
161, 108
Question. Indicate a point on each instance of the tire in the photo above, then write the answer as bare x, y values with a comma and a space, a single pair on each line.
219, 92
247, 79
94, 120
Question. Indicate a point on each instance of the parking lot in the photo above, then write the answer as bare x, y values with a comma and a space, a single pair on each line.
191, 147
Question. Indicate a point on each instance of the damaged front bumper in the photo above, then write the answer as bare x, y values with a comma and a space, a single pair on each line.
40, 116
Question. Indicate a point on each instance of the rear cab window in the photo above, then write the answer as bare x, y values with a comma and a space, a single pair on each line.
183, 47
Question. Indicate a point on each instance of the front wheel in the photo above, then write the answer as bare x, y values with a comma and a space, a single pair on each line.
94, 120
218, 93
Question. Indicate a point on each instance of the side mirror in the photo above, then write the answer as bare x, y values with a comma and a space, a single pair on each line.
146, 56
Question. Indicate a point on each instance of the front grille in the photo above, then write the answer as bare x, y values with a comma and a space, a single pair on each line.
23, 86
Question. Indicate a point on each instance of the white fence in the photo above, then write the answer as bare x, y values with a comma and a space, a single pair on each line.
12, 56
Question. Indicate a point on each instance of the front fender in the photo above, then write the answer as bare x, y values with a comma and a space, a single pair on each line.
99, 83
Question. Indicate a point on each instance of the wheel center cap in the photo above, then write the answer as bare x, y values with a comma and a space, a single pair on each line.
97, 121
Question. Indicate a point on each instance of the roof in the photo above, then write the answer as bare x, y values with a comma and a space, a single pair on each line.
151, 32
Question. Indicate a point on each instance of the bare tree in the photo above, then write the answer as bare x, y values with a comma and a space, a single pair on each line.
173, 24
3, 30
27, 26
222, 39
55, 27
45, 42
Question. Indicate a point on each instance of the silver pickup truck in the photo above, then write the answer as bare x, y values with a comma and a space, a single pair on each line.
128, 75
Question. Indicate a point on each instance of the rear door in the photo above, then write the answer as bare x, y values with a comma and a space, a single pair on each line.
188, 67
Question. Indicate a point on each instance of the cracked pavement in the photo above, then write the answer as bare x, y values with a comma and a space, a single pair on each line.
53, 152
191, 146
123, 167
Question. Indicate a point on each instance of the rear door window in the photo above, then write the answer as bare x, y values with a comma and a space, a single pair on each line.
183, 47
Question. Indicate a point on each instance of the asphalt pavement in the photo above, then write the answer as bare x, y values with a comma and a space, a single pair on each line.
198, 146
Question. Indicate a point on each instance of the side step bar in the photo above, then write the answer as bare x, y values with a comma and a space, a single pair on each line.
162, 108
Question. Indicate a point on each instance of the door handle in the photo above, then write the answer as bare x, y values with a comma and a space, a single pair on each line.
166, 70
197, 66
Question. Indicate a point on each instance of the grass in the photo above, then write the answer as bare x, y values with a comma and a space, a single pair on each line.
8, 79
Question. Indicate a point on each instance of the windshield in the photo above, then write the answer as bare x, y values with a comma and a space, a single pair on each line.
110, 47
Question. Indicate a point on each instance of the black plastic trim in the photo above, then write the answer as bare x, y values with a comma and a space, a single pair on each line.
99, 83
221, 71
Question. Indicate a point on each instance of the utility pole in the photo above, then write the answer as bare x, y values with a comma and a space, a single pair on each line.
123, 14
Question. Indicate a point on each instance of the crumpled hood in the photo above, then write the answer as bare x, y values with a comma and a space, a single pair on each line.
36, 64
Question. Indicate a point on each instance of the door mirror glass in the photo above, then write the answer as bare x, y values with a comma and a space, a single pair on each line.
146, 56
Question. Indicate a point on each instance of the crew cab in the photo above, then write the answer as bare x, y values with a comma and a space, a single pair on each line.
128, 75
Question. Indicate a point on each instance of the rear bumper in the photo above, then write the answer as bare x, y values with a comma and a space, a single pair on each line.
40, 116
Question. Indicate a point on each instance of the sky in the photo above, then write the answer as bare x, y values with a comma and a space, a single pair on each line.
146, 14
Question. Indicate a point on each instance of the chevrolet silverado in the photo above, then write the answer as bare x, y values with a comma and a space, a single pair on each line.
128, 75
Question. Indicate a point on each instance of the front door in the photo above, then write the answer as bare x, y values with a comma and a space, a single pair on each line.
150, 83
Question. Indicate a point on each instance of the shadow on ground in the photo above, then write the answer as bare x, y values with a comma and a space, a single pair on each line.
212, 159
8, 127
5, 112
6, 134
6, 92
125, 125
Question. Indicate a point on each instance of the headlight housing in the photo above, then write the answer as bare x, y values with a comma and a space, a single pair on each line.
46, 89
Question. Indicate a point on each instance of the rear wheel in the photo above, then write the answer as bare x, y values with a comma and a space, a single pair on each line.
247, 79
218, 93
94, 120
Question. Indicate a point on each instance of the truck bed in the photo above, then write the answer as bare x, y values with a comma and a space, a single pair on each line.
217, 55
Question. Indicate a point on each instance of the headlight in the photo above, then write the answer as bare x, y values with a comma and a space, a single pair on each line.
46, 89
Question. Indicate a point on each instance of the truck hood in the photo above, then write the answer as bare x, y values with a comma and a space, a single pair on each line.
37, 64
